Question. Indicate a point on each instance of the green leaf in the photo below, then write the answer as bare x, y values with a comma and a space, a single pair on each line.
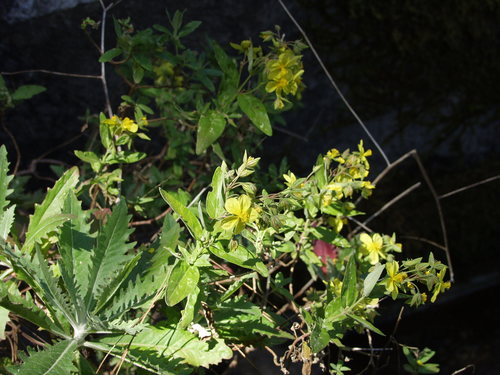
365, 323
226, 64
144, 281
53, 360
110, 54
240, 256
192, 305
11, 299
215, 199
27, 92
181, 282
242, 321
319, 336
256, 112
4, 179
137, 73
104, 132
349, 290
46, 217
210, 127
75, 247
170, 233
6, 221
110, 253
189, 28
4, 319
189, 219
372, 279
173, 345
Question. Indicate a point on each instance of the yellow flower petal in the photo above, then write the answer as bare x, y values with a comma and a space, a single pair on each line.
232, 206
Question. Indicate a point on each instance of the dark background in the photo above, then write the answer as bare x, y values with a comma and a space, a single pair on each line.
423, 75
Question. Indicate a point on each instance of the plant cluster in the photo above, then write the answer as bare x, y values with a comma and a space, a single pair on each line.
218, 276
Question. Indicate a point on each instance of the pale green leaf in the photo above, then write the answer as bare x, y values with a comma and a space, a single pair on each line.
6, 221
349, 290
215, 199
170, 233
4, 319
256, 112
53, 360
372, 279
46, 217
210, 127
173, 343
183, 279
191, 221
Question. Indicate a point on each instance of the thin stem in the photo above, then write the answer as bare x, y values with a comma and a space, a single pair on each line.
103, 64
440, 213
335, 86
51, 72
469, 186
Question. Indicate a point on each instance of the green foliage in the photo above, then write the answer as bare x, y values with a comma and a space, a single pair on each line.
219, 273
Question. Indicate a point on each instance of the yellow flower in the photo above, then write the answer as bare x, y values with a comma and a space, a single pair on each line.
441, 286
113, 121
394, 279
373, 245
129, 125
242, 213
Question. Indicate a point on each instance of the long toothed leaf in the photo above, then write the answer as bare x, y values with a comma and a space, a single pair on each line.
47, 216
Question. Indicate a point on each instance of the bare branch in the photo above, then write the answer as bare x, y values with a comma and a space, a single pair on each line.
51, 72
330, 78
469, 186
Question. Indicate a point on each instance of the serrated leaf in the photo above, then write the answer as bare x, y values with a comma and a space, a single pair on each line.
110, 54
53, 360
6, 221
11, 299
173, 343
256, 112
210, 127
45, 218
191, 221
75, 247
372, 279
215, 199
33, 272
183, 279
240, 256
240, 320
4, 179
349, 290
27, 92
110, 253
192, 305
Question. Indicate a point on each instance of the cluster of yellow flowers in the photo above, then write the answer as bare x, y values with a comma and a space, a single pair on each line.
119, 125
284, 75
